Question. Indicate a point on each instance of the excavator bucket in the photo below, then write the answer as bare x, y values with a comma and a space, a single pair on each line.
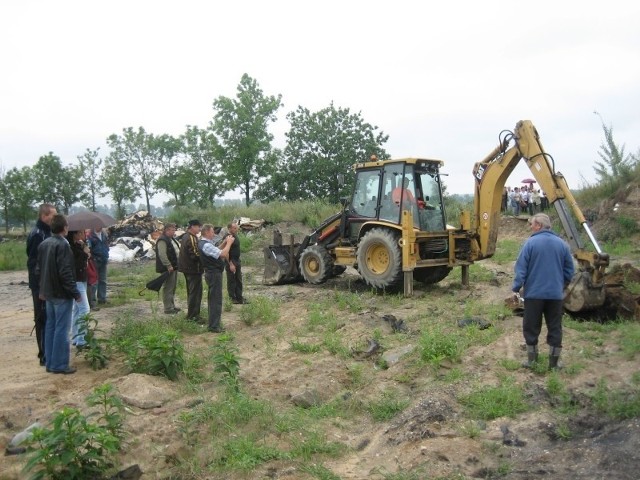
280, 262
582, 294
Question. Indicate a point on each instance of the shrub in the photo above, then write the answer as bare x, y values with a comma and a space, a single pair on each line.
158, 354
74, 448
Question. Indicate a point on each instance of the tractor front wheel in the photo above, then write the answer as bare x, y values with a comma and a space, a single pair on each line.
380, 259
316, 265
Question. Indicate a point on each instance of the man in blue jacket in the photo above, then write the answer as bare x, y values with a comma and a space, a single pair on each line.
544, 268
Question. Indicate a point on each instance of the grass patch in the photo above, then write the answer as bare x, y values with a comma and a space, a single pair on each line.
13, 255
630, 339
387, 406
487, 403
506, 251
261, 310
618, 404
305, 348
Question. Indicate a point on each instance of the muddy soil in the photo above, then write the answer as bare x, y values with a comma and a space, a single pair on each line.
431, 438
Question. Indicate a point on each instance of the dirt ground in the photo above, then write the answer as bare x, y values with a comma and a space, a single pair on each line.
430, 436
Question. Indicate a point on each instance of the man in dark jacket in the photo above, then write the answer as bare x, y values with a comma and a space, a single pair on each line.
189, 264
58, 288
544, 268
234, 268
167, 248
39, 234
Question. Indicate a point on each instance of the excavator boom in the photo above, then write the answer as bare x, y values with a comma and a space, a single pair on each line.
586, 291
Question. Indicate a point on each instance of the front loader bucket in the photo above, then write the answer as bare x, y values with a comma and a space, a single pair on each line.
280, 265
280, 262
582, 294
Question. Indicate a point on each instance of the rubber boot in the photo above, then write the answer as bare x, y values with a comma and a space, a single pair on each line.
532, 356
554, 356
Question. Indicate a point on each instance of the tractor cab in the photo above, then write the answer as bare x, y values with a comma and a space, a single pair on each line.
383, 189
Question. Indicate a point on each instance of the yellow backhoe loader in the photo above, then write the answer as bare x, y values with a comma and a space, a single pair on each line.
393, 228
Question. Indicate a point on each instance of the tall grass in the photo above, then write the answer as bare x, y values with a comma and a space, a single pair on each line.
13, 255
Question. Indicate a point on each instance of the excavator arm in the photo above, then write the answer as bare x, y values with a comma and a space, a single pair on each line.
586, 291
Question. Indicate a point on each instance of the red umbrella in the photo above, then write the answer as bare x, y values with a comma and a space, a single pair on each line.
528, 180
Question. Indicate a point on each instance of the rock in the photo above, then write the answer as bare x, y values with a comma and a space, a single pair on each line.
307, 399
145, 391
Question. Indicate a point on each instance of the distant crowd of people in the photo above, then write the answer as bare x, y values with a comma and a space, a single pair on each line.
523, 200
68, 278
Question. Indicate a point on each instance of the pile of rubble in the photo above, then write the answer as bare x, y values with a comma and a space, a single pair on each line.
135, 236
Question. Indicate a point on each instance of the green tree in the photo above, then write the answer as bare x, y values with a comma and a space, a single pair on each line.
23, 195
70, 189
321, 145
202, 162
5, 198
91, 167
241, 125
119, 182
142, 152
171, 177
48, 176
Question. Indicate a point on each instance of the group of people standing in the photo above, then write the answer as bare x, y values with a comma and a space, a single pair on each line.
200, 252
63, 269
525, 200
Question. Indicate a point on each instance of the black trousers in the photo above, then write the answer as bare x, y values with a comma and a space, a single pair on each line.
194, 294
214, 297
234, 283
534, 309
40, 320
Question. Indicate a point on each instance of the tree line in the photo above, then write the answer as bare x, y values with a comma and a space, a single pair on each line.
234, 151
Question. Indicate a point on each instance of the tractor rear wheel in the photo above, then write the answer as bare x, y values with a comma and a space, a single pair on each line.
316, 265
380, 259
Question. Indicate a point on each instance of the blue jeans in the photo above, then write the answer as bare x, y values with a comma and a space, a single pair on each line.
80, 309
102, 281
56, 337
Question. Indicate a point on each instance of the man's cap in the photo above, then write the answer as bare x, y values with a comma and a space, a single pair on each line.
194, 222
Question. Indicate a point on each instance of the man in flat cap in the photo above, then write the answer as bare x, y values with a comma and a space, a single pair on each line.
189, 264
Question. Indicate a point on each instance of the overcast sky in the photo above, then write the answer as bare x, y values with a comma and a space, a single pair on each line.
442, 79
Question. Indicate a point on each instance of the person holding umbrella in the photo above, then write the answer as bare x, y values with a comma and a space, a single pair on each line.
99, 246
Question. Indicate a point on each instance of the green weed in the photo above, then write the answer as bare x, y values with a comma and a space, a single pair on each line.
226, 362
74, 448
157, 354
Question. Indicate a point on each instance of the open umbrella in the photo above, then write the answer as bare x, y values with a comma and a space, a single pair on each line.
87, 219
528, 180
155, 284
